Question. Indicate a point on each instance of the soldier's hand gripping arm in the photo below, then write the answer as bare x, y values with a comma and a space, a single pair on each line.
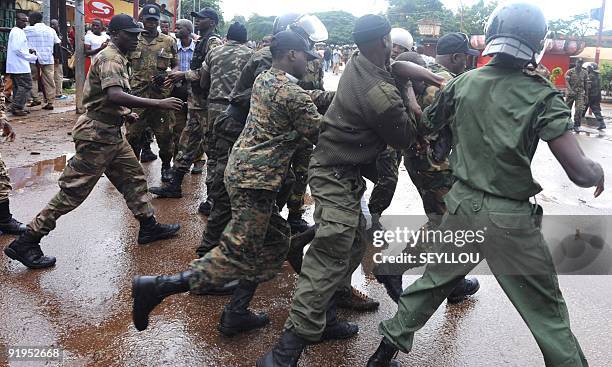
116, 95
306, 119
410, 71
322, 99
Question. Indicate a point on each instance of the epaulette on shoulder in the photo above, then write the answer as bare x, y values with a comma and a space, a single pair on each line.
536, 75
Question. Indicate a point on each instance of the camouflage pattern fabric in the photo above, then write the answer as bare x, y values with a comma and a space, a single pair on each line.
197, 99
259, 62
253, 245
5, 182
313, 79
91, 160
110, 68
191, 143
150, 59
214, 110
224, 65
177, 124
281, 115
577, 88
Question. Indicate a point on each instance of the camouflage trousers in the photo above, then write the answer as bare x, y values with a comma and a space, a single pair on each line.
191, 143
580, 101
299, 165
433, 183
5, 182
387, 164
214, 110
157, 120
253, 246
91, 160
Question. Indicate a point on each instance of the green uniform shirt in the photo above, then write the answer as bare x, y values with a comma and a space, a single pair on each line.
151, 59
494, 142
224, 65
109, 68
281, 115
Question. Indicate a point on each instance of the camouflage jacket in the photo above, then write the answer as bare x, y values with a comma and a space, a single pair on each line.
197, 98
224, 65
152, 59
281, 115
109, 68
3, 119
576, 82
314, 76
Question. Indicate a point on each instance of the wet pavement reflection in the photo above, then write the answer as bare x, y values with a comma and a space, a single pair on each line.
83, 305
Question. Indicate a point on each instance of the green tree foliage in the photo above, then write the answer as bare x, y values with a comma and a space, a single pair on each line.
259, 26
472, 19
575, 26
406, 14
339, 25
605, 70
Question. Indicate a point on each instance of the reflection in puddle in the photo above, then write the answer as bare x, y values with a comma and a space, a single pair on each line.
38, 172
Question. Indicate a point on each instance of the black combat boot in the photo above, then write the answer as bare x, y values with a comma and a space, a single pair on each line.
352, 299
297, 223
8, 224
392, 284
149, 291
205, 207
336, 329
285, 353
170, 189
151, 230
26, 250
296, 248
147, 155
465, 288
383, 357
236, 317
166, 172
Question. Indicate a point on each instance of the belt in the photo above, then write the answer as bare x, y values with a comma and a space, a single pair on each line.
105, 117
237, 113
222, 101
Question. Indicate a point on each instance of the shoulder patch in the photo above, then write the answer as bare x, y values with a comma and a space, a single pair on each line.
383, 96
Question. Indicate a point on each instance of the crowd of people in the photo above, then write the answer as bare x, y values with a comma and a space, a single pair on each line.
266, 129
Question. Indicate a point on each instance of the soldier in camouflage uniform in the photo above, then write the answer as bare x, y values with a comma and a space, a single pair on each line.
101, 149
594, 94
196, 130
255, 242
221, 70
427, 161
577, 87
313, 80
8, 224
156, 52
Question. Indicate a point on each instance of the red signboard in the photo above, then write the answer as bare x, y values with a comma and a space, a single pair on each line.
99, 9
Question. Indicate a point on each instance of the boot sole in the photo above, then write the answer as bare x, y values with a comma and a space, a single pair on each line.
15, 256
135, 295
144, 241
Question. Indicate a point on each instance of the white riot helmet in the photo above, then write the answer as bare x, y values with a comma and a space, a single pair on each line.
402, 37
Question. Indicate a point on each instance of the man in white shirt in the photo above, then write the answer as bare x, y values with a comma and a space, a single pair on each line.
41, 38
18, 59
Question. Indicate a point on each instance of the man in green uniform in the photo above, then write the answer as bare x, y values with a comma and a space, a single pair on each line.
101, 149
8, 224
576, 79
255, 242
221, 70
491, 161
193, 137
155, 53
594, 94
366, 115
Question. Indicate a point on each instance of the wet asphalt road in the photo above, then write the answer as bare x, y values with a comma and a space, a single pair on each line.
83, 305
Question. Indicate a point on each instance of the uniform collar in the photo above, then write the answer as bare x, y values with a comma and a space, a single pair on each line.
363, 62
280, 72
160, 35
190, 47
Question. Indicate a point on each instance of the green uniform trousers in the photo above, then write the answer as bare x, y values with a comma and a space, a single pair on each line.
157, 121
519, 258
5, 182
84, 169
253, 245
191, 144
387, 164
299, 164
214, 110
336, 250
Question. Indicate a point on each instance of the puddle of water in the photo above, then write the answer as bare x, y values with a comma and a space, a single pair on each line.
38, 172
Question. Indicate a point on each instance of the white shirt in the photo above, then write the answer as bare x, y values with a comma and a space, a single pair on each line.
95, 41
41, 38
18, 54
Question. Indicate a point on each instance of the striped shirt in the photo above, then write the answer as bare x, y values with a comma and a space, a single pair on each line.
42, 38
185, 54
